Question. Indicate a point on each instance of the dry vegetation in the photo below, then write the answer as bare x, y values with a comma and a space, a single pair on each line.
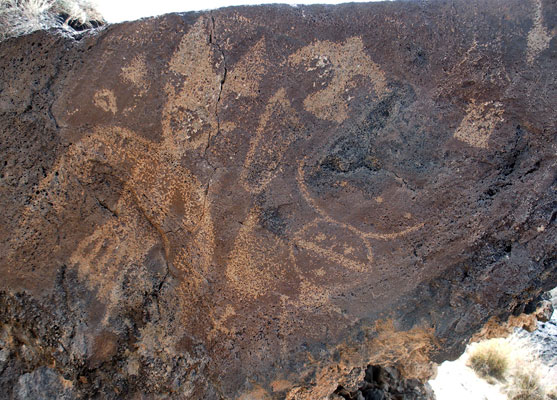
490, 359
513, 363
19, 17
526, 386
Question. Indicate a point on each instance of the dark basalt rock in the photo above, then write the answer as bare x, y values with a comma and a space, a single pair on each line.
386, 383
260, 202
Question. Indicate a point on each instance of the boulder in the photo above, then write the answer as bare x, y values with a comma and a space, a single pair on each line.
261, 202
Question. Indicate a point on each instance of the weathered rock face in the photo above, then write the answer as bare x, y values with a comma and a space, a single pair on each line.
260, 202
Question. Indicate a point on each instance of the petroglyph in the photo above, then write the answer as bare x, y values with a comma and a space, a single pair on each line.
538, 37
113, 251
161, 203
189, 116
257, 263
326, 217
479, 122
334, 245
344, 62
278, 128
245, 77
254, 267
159, 197
135, 73
105, 100
344, 244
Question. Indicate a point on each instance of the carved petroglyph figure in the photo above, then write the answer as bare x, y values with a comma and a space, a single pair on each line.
344, 61
158, 198
538, 37
160, 203
278, 128
245, 77
256, 264
105, 100
347, 257
135, 73
479, 123
189, 117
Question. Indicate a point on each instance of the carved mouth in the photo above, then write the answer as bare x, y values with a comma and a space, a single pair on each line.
348, 206
360, 179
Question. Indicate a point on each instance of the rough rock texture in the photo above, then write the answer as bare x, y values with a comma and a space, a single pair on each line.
386, 383
538, 310
260, 202
544, 338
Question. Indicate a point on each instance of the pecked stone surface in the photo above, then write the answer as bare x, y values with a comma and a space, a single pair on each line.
260, 202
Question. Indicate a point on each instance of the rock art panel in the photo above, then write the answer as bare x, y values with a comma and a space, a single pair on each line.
261, 202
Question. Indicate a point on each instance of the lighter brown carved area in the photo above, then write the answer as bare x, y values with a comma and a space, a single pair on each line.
189, 116
345, 248
112, 251
161, 204
105, 100
245, 77
135, 73
479, 122
257, 263
277, 130
345, 62
538, 37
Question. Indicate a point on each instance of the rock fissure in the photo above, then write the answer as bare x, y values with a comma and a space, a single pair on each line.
214, 42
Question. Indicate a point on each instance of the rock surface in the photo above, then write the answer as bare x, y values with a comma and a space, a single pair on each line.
260, 202
544, 338
386, 383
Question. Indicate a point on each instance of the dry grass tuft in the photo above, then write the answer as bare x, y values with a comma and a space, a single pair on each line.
19, 17
513, 362
490, 359
525, 385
